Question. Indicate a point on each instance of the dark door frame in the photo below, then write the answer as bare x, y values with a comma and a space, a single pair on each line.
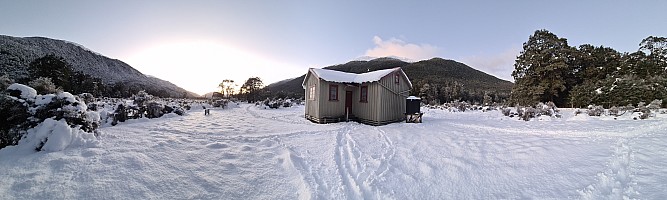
348, 105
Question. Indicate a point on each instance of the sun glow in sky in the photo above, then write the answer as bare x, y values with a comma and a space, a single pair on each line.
197, 44
200, 65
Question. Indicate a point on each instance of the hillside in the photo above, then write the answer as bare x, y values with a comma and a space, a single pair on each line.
436, 71
440, 70
16, 53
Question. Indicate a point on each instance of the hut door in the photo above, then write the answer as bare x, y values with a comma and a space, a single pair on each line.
348, 103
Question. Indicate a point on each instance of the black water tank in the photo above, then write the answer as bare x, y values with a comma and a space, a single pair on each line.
412, 105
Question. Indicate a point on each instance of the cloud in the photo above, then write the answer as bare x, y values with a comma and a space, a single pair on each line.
399, 48
499, 65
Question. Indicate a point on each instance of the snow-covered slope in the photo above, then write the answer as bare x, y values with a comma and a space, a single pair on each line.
252, 153
16, 53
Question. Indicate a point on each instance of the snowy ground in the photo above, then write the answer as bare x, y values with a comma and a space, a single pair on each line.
252, 153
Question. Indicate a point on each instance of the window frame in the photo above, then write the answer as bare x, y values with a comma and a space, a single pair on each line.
312, 93
331, 88
363, 94
397, 79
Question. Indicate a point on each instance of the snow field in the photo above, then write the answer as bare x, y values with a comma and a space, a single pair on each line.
252, 153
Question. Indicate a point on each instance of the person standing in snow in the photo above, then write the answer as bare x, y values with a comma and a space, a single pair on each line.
206, 111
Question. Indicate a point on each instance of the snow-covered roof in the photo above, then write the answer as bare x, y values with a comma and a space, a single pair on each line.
345, 77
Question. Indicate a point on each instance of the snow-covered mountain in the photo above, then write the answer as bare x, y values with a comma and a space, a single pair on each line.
16, 53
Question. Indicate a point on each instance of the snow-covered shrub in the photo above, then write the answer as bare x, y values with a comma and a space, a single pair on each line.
87, 98
141, 97
119, 114
179, 111
548, 109
519, 110
655, 105
65, 106
594, 110
13, 120
506, 111
154, 109
577, 111
614, 111
643, 111
222, 103
529, 113
23, 92
629, 107
37, 110
457, 106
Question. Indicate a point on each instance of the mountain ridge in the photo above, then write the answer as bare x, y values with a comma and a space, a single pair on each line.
435, 71
16, 53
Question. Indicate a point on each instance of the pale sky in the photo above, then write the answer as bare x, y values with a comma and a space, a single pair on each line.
197, 44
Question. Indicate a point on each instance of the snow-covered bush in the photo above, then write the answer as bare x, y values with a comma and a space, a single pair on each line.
629, 107
148, 106
506, 111
655, 105
548, 109
643, 111
141, 97
56, 135
222, 103
43, 117
275, 103
594, 110
614, 111
119, 114
13, 120
65, 106
519, 110
461, 106
529, 113
154, 109
87, 98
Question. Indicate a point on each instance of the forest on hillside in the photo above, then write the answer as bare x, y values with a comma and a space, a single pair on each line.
51, 73
549, 69
435, 80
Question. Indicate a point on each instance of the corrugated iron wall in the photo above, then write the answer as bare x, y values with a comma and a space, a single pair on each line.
392, 105
312, 106
367, 110
331, 108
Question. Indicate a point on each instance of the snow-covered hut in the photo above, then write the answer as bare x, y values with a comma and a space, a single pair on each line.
374, 98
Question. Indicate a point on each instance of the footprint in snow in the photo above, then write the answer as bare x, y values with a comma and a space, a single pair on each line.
217, 146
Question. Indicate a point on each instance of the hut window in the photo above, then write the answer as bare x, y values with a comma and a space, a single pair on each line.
333, 92
311, 93
396, 78
363, 94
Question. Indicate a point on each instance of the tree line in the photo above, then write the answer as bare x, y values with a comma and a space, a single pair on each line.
548, 69
52, 73
251, 90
